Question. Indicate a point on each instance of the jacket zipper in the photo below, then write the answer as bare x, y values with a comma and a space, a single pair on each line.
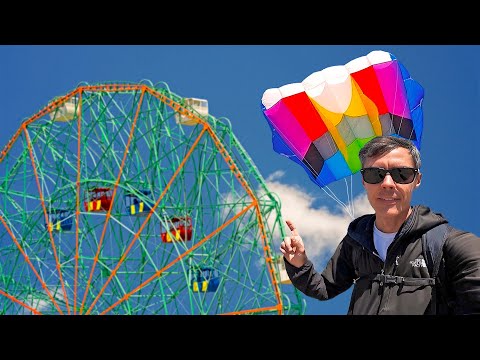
395, 243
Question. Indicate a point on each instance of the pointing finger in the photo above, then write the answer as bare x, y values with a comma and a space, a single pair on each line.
292, 227
287, 244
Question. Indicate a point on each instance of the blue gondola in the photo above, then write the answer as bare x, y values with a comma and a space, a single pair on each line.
59, 220
206, 279
136, 206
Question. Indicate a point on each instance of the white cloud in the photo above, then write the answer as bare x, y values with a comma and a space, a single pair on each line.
321, 228
35, 303
41, 302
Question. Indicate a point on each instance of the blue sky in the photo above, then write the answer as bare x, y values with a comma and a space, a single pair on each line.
234, 77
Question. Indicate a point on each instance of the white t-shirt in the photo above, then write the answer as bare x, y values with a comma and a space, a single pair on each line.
382, 241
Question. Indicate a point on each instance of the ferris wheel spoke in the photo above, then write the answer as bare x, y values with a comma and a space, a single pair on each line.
42, 201
125, 152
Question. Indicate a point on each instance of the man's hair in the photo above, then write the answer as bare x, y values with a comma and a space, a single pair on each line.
384, 144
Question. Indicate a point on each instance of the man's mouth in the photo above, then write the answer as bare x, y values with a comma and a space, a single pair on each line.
387, 199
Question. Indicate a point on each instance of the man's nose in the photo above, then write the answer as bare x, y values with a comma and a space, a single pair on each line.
388, 181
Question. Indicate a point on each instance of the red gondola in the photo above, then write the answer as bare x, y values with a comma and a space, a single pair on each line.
98, 199
181, 230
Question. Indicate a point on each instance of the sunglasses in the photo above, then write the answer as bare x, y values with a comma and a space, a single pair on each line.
402, 175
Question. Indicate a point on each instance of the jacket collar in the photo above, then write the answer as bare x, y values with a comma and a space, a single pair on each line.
420, 221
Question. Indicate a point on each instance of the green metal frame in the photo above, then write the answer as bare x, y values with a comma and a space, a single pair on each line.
126, 137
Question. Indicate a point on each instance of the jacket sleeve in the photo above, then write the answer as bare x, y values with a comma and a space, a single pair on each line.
337, 276
462, 264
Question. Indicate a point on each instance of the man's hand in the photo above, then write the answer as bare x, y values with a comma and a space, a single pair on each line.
292, 247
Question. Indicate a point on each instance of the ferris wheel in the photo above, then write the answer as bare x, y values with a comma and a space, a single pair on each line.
125, 198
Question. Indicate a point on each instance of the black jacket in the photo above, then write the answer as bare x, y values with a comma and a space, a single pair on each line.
356, 261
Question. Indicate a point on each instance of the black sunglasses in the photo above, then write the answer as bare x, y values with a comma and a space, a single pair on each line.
402, 175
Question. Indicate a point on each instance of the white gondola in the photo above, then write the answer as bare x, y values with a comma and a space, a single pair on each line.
67, 111
200, 105
284, 279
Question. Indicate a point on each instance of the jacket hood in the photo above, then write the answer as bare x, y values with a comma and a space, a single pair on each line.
420, 221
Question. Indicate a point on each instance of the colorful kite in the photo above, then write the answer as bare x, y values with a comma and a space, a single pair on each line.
323, 122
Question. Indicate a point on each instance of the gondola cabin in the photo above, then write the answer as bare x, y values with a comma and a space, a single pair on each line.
284, 279
200, 105
205, 280
98, 199
136, 206
181, 230
69, 110
59, 220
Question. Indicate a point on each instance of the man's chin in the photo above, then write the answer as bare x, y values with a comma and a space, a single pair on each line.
388, 210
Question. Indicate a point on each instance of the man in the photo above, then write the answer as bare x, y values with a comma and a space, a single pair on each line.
387, 245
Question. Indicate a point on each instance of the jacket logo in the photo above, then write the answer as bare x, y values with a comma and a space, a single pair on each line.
418, 263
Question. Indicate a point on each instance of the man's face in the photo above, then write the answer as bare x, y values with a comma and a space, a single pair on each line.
387, 197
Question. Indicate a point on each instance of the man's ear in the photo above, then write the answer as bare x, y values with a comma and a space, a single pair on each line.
418, 179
